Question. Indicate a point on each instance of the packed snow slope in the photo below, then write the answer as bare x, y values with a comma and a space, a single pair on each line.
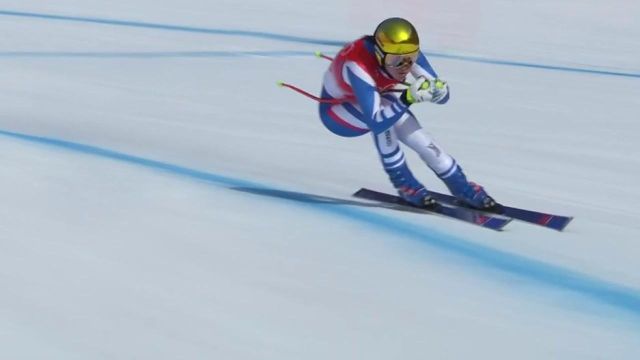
163, 199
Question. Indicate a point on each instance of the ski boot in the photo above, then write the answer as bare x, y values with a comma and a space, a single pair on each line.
470, 193
410, 189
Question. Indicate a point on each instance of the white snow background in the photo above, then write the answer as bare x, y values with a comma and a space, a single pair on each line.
162, 198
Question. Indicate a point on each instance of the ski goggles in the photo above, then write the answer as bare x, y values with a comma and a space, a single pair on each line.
400, 60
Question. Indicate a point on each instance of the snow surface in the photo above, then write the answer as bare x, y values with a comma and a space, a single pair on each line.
163, 199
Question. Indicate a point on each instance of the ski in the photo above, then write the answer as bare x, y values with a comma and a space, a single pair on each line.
489, 221
551, 221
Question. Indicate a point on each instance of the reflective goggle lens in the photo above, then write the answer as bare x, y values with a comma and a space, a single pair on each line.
398, 61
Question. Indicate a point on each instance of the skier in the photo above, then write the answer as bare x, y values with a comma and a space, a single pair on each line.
360, 95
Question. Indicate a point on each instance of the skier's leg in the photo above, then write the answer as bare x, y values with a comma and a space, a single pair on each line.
347, 120
342, 120
410, 133
395, 165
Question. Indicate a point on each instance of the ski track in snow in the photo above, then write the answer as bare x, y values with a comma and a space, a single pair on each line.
539, 272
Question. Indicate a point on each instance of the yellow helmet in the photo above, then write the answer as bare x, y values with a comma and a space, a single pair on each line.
396, 36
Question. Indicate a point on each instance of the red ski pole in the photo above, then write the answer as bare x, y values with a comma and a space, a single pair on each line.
311, 96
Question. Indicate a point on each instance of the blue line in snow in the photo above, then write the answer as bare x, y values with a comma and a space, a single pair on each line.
295, 39
190, 29
532, 65
150, 54
545, 274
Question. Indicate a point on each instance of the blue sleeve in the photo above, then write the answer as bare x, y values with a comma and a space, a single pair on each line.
378, 117
423, 66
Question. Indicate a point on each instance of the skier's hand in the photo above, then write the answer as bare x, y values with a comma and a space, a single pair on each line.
418, 91
439, 91
423, 89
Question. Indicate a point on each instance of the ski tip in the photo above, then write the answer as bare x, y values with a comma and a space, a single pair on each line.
507, 220
280, 83
561, 226
318, 54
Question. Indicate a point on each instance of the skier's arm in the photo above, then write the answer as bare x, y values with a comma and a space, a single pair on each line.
422, 68
378, 117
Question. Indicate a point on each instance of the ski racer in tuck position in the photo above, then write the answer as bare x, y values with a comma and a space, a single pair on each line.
362, 75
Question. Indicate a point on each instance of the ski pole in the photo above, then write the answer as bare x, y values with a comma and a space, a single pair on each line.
321, 55
311, 96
